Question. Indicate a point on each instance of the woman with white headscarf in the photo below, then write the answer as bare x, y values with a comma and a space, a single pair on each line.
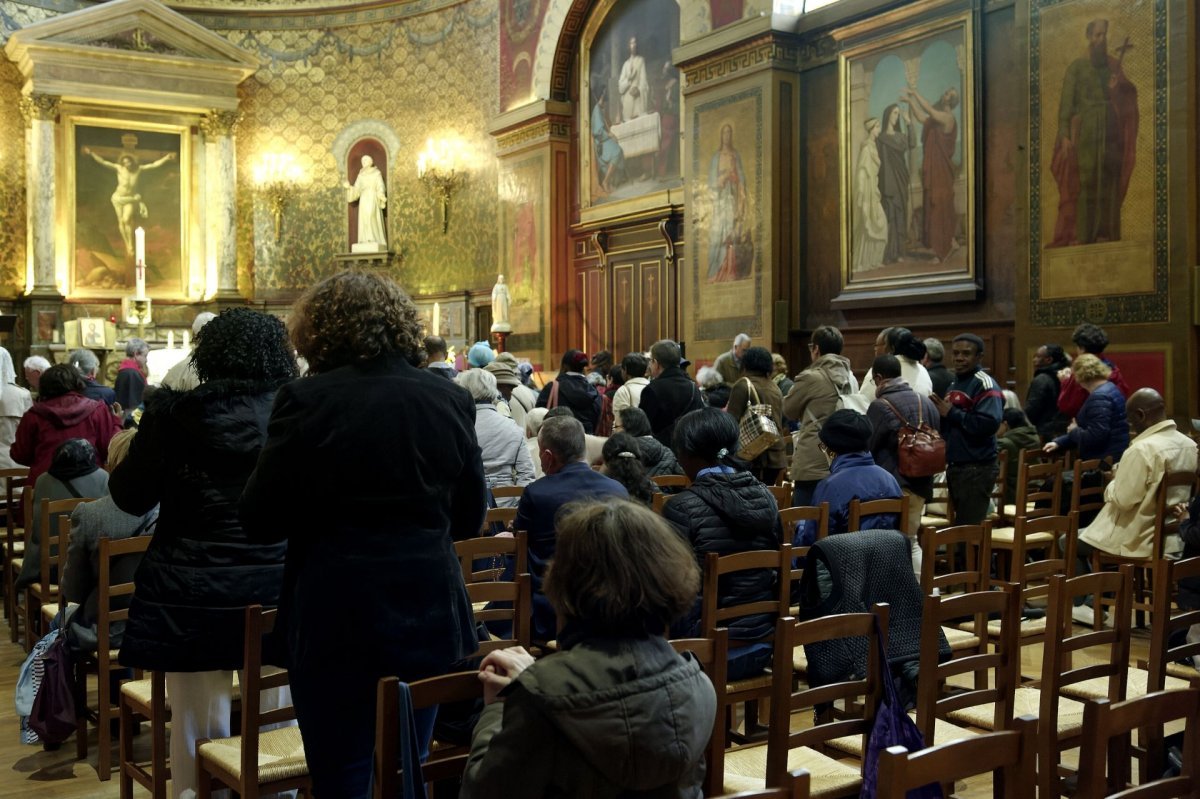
14, 401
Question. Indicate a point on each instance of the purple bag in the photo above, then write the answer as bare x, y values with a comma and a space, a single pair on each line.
892, 727
53, 715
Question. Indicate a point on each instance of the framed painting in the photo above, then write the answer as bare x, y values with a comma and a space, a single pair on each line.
907, 152
630, 103
523, 189
123, 176
1098, 111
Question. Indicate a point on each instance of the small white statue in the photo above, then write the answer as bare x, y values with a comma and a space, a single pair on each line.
371, 193
500, 302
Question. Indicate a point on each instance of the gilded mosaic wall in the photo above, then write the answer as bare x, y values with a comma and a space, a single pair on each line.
12, 183
433, 75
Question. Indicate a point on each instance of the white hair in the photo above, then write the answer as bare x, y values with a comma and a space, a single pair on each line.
709, 378
479, 383
740, 339
36, 363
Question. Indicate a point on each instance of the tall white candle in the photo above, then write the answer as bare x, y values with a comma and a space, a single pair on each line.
437, 319
139, 245
170, 339
139, 238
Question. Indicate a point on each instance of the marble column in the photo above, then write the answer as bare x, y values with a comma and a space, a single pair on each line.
41, 115
221, 201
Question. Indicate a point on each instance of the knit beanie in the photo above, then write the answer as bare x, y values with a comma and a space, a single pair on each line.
846, 431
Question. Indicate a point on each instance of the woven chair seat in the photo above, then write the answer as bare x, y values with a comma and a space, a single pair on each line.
746, 769
18, 548
759, 682
1135, 686
935, 521
1028, 627
280, 754
960, 639
799, 660
139, 690
1025, 701
1004, 537
943, 732
1183, 672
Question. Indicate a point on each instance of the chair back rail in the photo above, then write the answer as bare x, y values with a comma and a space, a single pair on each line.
496, 547
976, 539
712, 653
876, 507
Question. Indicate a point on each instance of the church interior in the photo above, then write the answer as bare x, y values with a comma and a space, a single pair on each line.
550, 175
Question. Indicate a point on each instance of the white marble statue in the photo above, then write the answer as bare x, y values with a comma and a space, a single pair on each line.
371, 193
500, 302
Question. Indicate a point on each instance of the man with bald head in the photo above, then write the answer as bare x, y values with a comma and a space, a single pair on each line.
1125, 525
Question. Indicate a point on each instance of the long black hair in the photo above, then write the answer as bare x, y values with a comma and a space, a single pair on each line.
623, 463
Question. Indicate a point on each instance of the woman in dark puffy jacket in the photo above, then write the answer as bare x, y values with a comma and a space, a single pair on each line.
1101, 428
725, 510
192, 456
572, 389
657, 458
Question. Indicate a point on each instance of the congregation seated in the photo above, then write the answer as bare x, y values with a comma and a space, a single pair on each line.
616, 712
844, 439
568, 478
623, 463
593, 446
658, 459
62, 412
73, 473
91, 522
572, 389
725, 510
506, 459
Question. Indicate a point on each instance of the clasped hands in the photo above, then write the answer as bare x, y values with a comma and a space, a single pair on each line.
501, 667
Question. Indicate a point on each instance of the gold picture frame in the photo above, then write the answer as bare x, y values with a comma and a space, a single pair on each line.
907, 145
122, 174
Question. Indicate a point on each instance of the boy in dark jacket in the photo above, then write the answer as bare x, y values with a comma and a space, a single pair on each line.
1014, 435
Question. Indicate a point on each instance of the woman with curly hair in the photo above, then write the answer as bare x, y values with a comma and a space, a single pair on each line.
373, 585
192, 455
623, 463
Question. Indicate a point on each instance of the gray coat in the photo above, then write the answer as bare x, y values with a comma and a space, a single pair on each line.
53, 489
90, 522
605, 718
506, 459
810, 402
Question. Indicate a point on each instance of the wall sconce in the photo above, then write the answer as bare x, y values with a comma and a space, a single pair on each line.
438, 170
276, 177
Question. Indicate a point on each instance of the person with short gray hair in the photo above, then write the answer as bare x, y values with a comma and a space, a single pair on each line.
939, 375
561, 449
131, 375
729, 364
87, 363
34, 366
182, 376
671, 392
506, 459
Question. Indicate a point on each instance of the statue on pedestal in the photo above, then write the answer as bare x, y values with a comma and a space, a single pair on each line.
371, 193
500, 303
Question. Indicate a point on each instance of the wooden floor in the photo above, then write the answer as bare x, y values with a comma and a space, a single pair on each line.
27, 771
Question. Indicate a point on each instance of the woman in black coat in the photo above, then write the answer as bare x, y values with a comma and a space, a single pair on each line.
572, 389
370, 470
191, 457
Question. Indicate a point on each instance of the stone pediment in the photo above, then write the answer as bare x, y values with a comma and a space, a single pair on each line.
139, 26
133, 51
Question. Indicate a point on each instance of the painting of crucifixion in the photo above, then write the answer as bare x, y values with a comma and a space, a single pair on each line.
127, 178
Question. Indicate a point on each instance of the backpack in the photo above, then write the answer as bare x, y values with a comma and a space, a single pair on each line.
53, 715
920, 450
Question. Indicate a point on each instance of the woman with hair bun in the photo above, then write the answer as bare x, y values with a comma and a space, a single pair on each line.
909, 350
725, 510
370, 470
623, 463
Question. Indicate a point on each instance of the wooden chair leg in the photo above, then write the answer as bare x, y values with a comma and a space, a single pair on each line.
125, 750
104, 719
81, 731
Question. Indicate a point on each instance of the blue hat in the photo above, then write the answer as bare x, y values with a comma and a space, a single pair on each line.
480, 355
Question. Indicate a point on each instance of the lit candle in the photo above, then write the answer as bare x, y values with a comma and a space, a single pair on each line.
170, 339
139, 269
437, 319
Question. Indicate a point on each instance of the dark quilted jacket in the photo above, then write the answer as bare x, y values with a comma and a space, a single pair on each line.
728, 513
192, 455
657, 459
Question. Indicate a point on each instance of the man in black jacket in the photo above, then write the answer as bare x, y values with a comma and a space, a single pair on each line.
671, 392
1041, 400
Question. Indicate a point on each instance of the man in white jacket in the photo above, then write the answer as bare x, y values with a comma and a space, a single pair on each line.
629, 395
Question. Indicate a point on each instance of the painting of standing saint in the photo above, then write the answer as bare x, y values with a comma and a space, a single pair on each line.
908, 158
633, 101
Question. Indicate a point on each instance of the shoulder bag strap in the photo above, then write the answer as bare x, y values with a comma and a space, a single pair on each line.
552, 402
903, 422
67, 484
751, 392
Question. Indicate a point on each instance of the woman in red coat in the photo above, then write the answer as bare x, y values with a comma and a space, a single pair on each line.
62, 413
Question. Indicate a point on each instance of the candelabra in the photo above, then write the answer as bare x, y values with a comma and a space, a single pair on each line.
438, 171
275, 177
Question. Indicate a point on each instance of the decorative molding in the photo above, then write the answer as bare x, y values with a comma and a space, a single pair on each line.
544, 129
220, 123
40, 106
767, 52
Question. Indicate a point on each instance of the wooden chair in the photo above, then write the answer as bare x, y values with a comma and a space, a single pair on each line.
1173, 489
670, 481
975, 541
790, 747
45, 590
508, 492
1089, 499
1106, 737
235, 762
112, 607
506, 601
876, 507
795, 787
14, 545
144, 699
498, 549
503, 516
1039, 492
999, 488
1171, 622
940, 496
1104, 676
12, 567
444, 762
1009, 755
788, 519
782, 494
750, 689
990, 703
712, 654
